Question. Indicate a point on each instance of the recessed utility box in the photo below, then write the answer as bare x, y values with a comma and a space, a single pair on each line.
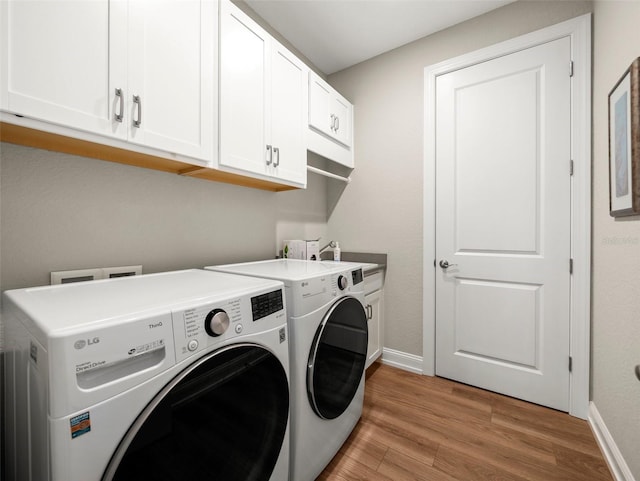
82, 275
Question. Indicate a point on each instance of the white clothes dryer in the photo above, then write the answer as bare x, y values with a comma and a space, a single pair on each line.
173, 376
328, 348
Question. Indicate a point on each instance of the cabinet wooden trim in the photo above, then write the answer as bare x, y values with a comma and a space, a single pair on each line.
20, 135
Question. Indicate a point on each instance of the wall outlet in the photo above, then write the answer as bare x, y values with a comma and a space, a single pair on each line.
111, 272
81, 275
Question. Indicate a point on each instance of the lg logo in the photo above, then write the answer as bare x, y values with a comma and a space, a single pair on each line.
82, 343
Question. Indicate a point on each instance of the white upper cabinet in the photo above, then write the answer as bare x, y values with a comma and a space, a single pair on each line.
288, 114
263, 102
55, 59
136, 70
172, 77
329, 112
243, 92
330, 122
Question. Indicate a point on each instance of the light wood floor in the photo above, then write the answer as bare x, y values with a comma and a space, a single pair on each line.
431, 429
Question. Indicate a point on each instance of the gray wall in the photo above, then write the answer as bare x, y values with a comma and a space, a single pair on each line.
64, 212
381, 211
616, 246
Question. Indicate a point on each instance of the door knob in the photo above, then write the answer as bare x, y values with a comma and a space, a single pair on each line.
445, 264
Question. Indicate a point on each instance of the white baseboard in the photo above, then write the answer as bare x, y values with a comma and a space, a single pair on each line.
617, 464
402, 360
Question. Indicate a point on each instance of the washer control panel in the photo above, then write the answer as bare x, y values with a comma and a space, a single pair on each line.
216, 323
200, 327
266, 304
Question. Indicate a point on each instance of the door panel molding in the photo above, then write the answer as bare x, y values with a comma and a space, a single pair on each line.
579, 32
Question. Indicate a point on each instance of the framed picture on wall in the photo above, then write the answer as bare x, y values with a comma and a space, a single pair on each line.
624, 144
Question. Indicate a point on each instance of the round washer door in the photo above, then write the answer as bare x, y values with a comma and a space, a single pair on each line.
337, 358
224, 417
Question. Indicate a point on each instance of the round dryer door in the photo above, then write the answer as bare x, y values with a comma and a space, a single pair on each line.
337, 358
225, 417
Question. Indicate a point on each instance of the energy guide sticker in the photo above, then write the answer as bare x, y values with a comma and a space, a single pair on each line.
80, 424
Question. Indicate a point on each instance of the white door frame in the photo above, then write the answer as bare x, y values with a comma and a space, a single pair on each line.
579, 30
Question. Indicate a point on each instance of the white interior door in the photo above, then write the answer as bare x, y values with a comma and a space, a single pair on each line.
503, 207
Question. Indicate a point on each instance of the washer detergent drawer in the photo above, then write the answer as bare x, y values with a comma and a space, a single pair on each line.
101, 363
92, 378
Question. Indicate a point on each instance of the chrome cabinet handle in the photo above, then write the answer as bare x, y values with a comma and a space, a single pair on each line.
333, 122
138, 121
119, 116
445, 264
276, 154
369, 311
337, 123
269, 155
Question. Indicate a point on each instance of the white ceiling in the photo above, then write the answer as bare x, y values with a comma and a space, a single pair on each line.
336, 34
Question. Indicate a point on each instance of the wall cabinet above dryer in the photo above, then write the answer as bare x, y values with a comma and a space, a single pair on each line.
330, 122
263, 102
111, 68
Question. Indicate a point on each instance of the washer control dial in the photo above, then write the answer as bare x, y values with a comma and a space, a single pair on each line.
342, 283
216, 322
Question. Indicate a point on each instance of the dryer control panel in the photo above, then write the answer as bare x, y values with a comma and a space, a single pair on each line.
347, 281
315, 292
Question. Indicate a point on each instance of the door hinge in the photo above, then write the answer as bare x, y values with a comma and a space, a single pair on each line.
570, 266
571, 68
570, 364
571, 167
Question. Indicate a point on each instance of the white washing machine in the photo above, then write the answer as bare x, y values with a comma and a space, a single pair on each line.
172, 376
328, 349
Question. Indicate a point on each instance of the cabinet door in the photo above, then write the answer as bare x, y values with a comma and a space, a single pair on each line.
373, 302
342, 112
320, 94
171, 67
288, 115
56, 58
243, 87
